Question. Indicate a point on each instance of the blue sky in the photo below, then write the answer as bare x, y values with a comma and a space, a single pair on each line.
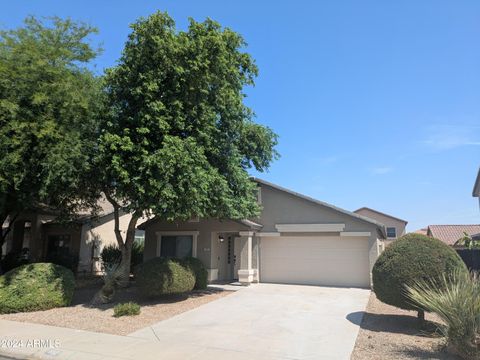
377, 103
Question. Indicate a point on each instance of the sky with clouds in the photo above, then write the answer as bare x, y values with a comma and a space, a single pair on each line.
377, 103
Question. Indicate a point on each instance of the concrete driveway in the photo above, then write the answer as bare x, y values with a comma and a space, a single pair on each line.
266, 321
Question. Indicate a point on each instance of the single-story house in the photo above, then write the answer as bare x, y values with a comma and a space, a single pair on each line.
450, 234
39, 234
296, 239
395, 226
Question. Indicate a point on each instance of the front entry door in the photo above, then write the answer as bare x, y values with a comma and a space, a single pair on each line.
236, 256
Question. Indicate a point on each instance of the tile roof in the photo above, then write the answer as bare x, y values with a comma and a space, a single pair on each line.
449, 234
422, 231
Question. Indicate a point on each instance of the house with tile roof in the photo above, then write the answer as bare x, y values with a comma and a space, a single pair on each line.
450, 234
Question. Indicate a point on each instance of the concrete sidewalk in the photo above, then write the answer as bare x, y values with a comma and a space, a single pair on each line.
34, 341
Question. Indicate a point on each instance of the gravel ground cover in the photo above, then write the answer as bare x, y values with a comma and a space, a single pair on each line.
388, 333
80, 315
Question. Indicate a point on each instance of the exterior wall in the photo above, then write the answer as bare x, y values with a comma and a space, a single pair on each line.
387, 221
96, 235
208, 248
280, 207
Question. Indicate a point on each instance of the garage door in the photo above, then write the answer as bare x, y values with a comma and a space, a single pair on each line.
331, 261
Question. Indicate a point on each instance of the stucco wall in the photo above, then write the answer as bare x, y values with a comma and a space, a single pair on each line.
99, 232
386, 220
206, 248
280, 207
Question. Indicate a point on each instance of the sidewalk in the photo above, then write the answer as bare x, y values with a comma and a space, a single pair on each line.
34, 341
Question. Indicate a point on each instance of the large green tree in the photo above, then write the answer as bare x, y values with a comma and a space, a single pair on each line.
179, 139
49, 106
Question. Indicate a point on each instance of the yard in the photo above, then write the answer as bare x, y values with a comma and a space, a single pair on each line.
387, 332
80, 315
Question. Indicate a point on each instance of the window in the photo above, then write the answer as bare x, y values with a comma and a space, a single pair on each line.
59, 244
176, 246
391, 232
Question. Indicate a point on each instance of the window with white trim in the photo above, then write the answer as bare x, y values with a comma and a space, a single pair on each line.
178, 246
391, 232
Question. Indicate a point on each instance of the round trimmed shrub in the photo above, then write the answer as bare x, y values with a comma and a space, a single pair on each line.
411, 258
164, 276
200, 271
35, 287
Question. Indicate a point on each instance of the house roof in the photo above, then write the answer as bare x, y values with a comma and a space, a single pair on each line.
381, 213
379, 225
476, 187
422, 231
450, 234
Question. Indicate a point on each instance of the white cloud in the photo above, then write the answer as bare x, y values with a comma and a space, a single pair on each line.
382, 170
446, 137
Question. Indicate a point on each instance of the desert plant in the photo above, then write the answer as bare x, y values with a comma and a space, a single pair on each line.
200, 271
455, 298
411, 258
35, 287
126, 309
110, 279
164, 276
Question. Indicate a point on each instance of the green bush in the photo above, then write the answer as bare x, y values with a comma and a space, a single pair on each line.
35, 287
126, 309
411, 258
164, 276
200, 271
456, 300
111, 254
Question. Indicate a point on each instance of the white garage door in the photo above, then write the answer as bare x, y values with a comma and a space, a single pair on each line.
309, 260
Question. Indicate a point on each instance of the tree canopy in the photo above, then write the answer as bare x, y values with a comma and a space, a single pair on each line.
178, 140
49, 106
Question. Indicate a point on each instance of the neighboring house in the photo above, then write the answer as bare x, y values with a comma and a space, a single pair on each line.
395, 226
450, 234
83, 238
296, 239
476, 187
422, 231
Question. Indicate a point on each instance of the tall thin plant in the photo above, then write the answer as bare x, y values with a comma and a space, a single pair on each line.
455, 299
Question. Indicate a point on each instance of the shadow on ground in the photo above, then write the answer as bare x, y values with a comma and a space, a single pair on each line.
392, 323
84, 295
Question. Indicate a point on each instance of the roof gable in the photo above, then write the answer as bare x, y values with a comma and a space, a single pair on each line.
381, 213
380, 226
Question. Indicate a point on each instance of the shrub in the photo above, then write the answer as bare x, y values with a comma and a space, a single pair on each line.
201, 273
126, 309
411, 258
34, 287
111, 254
164, 276
455, 298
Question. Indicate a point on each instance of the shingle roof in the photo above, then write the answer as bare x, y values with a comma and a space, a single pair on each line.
422, 231
449, 234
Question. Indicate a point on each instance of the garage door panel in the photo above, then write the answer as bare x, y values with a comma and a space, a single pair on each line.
330, 261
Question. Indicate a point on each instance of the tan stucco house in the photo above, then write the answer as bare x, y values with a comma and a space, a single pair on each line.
296, 239
395, 227
84, 238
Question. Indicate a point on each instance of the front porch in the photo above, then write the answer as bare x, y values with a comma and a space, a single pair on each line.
228, 248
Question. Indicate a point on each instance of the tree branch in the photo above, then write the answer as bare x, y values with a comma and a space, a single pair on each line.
116, 217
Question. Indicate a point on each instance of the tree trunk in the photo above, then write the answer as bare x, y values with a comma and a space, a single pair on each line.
421, 317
